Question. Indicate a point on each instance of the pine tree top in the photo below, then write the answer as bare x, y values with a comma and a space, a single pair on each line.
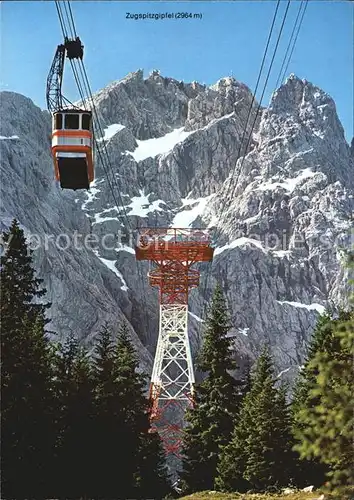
20, 288
215, 356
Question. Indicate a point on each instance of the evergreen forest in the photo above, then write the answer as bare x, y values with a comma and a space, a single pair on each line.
75, 424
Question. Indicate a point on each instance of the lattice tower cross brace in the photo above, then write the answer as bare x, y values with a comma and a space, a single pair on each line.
173, 252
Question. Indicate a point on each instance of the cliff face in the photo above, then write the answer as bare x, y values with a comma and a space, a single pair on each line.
282, 212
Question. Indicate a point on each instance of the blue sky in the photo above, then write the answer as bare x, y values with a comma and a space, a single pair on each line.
228, 40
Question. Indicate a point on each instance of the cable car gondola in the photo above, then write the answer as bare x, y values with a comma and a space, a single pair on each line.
72, 148
72, 134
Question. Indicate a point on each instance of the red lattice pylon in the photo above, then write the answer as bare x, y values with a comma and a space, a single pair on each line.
172, 253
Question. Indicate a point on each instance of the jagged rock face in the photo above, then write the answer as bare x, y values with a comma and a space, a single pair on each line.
83, 292
149, 107
225, 97
281, 208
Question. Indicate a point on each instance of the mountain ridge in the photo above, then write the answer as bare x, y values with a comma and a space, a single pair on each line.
293, 183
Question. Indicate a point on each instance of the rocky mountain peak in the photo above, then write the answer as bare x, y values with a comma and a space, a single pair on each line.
310, 105
225, 97
282, 208
150, 106
15, 112
303, 118
137, 75
229, 82
296, 93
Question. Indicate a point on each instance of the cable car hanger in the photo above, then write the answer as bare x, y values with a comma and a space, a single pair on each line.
72, 133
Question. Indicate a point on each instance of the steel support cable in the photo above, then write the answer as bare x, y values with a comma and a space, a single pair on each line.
279, 79
295, 40
97, 121
72, 32
78, 83
255, 119
249, 138
72, 18
257, 112
89, 93
61, 18
253, 99
208, 274
62, 23
281, 29
65, 34
71, 23
81, 68
122, 207
141, 278
98, 149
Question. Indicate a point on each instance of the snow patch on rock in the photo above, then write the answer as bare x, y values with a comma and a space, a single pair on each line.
110, 131
125, 248
91, 194
290, 183
310, 307
239, 242
200, 320
11, 138
160, 145
283, 371
185, 218
110, 264
141, 206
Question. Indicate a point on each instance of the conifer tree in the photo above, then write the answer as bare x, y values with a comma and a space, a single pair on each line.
75, 395
259, 456
19, 285
151, 479
309, 407
122, 421
246, 380
146, 463
28, 432
322, 339
325, 421
311, 470
233, 458
108, 416
134, 404
217, 400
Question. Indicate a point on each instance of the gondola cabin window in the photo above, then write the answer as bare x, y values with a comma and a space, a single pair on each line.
58, 121
72, 131
77, 121
72, 148
72, 122
86, 122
